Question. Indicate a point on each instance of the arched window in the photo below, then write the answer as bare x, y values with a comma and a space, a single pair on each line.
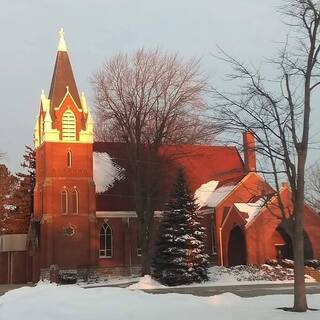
69, 159
68, 126
74, 202
64, 202
105, 241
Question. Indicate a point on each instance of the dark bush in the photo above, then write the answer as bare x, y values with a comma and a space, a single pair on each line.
314, 263
68, 278
272, 262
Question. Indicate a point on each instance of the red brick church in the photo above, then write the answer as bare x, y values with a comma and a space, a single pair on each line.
84, 216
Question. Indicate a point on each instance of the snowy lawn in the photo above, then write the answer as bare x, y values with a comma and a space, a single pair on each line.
218, 276
51, 302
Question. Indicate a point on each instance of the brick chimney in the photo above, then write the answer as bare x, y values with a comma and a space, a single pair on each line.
249, 146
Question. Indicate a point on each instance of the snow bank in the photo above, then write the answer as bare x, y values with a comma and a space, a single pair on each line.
146, 282
105, 172
51, 302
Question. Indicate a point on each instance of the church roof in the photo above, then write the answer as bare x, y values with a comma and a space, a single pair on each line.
201, 164
62, 77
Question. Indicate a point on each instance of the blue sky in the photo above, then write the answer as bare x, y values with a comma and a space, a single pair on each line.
97, 29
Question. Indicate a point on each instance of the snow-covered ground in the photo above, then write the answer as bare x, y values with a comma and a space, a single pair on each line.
218, 276
51, 302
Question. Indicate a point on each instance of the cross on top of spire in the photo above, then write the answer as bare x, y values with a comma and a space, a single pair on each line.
62, 43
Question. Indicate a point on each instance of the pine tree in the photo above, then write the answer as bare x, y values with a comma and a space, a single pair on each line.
200, 259
8, 186
16, 195
24, 194
179, 257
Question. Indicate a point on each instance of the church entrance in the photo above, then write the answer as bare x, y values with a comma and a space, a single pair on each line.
284, 247
237, 253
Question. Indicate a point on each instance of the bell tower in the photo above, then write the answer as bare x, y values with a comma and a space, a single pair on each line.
64, 201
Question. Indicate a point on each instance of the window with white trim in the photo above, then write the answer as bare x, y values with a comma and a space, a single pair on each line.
75, 201
68, 126
69, 159
64, 202
105, 250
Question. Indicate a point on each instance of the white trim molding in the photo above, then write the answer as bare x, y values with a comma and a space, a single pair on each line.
122, 214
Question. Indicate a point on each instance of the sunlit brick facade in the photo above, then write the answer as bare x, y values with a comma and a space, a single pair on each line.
75, 227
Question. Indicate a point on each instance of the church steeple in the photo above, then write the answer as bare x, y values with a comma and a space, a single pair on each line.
64, 194
62, 77
63, 116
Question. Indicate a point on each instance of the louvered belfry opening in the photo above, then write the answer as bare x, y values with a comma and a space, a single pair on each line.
68, 126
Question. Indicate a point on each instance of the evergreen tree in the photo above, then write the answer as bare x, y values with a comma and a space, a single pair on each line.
8, 186
200, 259
24, 194
179, 257
16, 195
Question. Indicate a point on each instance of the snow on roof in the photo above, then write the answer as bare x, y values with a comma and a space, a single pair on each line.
105, 171
252, 209
208, 195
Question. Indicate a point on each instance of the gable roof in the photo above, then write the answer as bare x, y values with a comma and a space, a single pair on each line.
201, 164
272, 202
214, 197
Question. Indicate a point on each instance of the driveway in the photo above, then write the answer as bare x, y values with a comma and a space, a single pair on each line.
252, 290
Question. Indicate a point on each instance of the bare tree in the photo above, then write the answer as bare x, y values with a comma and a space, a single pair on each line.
277, 111
313, 187
147, 100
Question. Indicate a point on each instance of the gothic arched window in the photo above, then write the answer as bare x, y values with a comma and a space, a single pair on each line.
68, 126
105, 241
69, 159
74, 202
64, 202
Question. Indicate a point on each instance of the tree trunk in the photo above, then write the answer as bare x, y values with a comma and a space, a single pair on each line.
300, 299
145, 248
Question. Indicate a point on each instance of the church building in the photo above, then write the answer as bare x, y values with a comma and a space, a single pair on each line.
84, 215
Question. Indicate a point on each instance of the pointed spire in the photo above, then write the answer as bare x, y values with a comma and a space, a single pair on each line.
62, 43
36, 139
62, 78
89, 119
84, 102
